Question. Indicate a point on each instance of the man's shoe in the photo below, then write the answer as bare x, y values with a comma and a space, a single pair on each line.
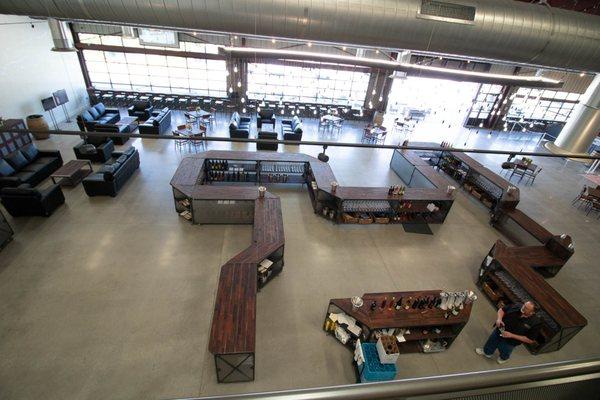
480, 351
501, 361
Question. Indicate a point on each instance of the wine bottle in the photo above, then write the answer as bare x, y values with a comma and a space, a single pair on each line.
392, 302
383, 303
399, 304
415, 304
408, 303
373, 305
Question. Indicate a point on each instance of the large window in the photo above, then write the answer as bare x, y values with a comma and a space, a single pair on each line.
546, 105
484, 102
156, 73
275, 82
116, 40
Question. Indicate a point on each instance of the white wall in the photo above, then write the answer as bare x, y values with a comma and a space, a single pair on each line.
29, 71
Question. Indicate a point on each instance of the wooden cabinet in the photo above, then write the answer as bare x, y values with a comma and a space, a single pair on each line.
505, 278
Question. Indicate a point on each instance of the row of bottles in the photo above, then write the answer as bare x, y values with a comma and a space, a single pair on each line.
396, 190
230, 176
218, 165
405, 303
276, 178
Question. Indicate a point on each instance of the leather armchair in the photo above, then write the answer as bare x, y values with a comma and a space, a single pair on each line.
269, 136
94, 149
265, 117
25, 200
109, 179
158, 123
141, 109
291, 129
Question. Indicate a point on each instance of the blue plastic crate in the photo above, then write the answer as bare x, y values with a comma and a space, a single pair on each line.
373, 370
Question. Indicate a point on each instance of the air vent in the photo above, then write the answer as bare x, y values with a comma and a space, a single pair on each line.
447, 11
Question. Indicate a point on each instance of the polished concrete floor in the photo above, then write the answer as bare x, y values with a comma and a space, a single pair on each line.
113, 297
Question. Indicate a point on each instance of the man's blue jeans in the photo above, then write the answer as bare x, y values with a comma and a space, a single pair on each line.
495, 341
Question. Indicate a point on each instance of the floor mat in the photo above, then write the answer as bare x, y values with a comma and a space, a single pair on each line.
417, 228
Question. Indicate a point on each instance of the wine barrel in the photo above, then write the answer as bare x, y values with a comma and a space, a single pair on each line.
36, 122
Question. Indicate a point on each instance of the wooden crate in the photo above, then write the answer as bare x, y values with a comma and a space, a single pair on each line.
349, 219
382, 220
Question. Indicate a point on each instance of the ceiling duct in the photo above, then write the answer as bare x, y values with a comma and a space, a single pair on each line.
494, 30
63, 41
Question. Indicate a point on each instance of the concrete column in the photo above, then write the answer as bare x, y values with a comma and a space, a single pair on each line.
583, 125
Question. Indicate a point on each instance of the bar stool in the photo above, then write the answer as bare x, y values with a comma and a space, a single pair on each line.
207, 102
183, 102
107, 98
194, 103
169, 101
213, 114
219, 106
120, 99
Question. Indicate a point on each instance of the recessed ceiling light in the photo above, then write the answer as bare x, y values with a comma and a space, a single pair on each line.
309, 44
273, 40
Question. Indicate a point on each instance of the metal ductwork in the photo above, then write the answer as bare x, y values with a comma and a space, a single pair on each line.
63, 41
503, 30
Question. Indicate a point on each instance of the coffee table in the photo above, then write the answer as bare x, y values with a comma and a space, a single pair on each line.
72, 172
130, 124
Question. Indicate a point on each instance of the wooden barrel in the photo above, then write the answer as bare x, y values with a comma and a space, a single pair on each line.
36, 122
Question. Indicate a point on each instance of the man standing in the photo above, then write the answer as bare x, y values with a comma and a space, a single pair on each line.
516, 324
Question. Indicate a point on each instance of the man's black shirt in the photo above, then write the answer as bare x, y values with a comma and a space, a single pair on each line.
515, 323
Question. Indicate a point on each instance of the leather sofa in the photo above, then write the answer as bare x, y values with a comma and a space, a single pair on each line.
269, 136
25, 200
98, 114
265, 117
291, 129
142, 109
116, 129
28, 165
95, 149
239, 127
109, 179
158, 123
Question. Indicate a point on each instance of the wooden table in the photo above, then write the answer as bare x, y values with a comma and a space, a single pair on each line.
72, 172
130, 122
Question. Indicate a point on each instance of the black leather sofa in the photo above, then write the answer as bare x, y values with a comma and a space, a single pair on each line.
158, 123
28, 165
116, 129
239, 127
291, 129
265, 117
140, 109
109, 179
98, 114
95, 149
269, 136
25, 200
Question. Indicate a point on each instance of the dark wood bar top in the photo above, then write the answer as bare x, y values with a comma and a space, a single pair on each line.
234, 319
384, 319
545, 295
531, 226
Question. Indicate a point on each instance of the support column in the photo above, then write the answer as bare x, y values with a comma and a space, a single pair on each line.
583, 126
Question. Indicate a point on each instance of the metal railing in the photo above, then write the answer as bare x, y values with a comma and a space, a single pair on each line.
309, 143
579, 375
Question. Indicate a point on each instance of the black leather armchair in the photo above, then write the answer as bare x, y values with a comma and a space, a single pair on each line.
268, 136
239, 127
141, 109
95, 149
25, 200
113, 175
97, 114
265, 117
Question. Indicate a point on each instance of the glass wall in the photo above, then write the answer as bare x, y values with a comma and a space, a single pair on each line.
274, 82
484, 103
116, 40
156, 73
546, 105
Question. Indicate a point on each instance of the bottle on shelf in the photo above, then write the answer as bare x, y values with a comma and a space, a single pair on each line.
399, 304
392, 302
383, 303
373, 305
408, 303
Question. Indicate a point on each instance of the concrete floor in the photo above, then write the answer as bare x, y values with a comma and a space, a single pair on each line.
113, 297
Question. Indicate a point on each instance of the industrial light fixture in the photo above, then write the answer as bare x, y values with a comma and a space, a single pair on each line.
582, 73
243, 100
377, 51
235, 37
230, 89
344, 48
524, 129
489, 136
235, 69
239, 84
481, 125
309, 44
281, 112
422, 70
273, 40
373, 92
244, 110
314, 112
257, 109
380, 98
